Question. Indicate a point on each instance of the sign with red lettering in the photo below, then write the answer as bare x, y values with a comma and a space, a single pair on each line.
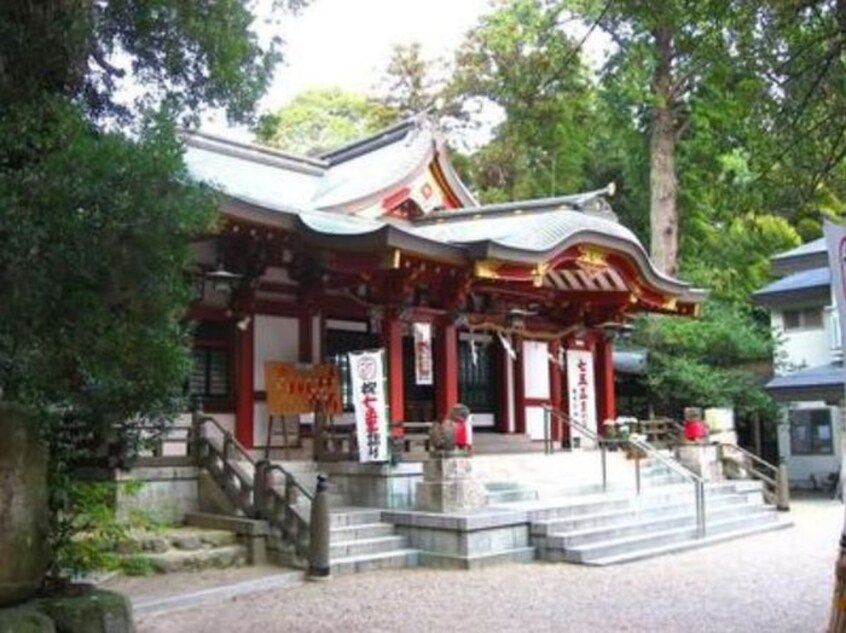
582, 390
292, 389
368, 394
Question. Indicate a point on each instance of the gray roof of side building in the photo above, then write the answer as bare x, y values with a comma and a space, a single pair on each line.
805, 256
807, 286
825, 382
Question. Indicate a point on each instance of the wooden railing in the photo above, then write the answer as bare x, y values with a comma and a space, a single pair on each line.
774, 478
250, 484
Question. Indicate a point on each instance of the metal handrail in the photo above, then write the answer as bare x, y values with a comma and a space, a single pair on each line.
581, 428
679, 469
648, 449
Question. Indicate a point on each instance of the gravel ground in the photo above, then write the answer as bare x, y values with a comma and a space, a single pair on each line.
780, 581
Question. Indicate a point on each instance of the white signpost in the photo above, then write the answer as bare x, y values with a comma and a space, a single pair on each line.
581, 394
367, 370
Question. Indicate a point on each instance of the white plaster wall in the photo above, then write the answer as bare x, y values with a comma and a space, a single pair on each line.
808, 348
276, 339
536, 369
535, 420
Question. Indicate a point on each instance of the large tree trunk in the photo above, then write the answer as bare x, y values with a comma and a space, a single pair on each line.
663, 216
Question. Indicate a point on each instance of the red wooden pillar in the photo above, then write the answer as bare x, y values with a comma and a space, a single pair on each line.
446, 373
555, 388
245, 380
502, 359
605, 395
519, 387
392, 340
565, 397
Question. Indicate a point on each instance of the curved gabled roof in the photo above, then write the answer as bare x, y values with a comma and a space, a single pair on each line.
319, 198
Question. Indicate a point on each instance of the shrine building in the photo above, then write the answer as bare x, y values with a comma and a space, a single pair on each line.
378, 244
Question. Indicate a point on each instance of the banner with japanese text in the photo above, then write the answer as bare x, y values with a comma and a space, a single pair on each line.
367, 370
423, 354
582, 391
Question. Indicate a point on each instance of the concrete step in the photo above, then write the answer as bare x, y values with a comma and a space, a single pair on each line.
683, 517
237, 525
508, 491
344, 517
183, 538
629, 513
361, 531
366, 546
712, 538
630, 544
217, 557
397, 559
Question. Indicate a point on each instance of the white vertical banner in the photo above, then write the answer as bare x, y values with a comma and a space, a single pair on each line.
367, 370
835, 241
581, 392
423, 374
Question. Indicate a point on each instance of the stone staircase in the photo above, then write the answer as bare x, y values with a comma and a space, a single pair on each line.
183, 549
619, 527
359, 541
488, 443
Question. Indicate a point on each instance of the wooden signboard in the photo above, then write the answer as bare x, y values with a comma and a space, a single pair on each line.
292, 390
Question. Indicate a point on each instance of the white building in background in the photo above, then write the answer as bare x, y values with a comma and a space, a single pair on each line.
809, 373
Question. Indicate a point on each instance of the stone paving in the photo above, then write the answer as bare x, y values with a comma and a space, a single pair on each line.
779, 581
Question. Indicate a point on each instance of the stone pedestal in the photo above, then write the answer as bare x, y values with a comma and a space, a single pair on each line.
449, 486
702, 459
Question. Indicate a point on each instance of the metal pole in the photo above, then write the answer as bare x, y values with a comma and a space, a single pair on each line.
637, 468
547, 420
700, 509
604, 467
318, 560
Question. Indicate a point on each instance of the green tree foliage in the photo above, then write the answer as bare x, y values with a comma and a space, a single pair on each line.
709, 361
186, 54
93, 264
520, 59
96, 225
410, 84
679, 80
322, 119
797, 50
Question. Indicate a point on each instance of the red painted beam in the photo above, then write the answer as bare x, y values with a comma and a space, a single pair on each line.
244, 396
447, 368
